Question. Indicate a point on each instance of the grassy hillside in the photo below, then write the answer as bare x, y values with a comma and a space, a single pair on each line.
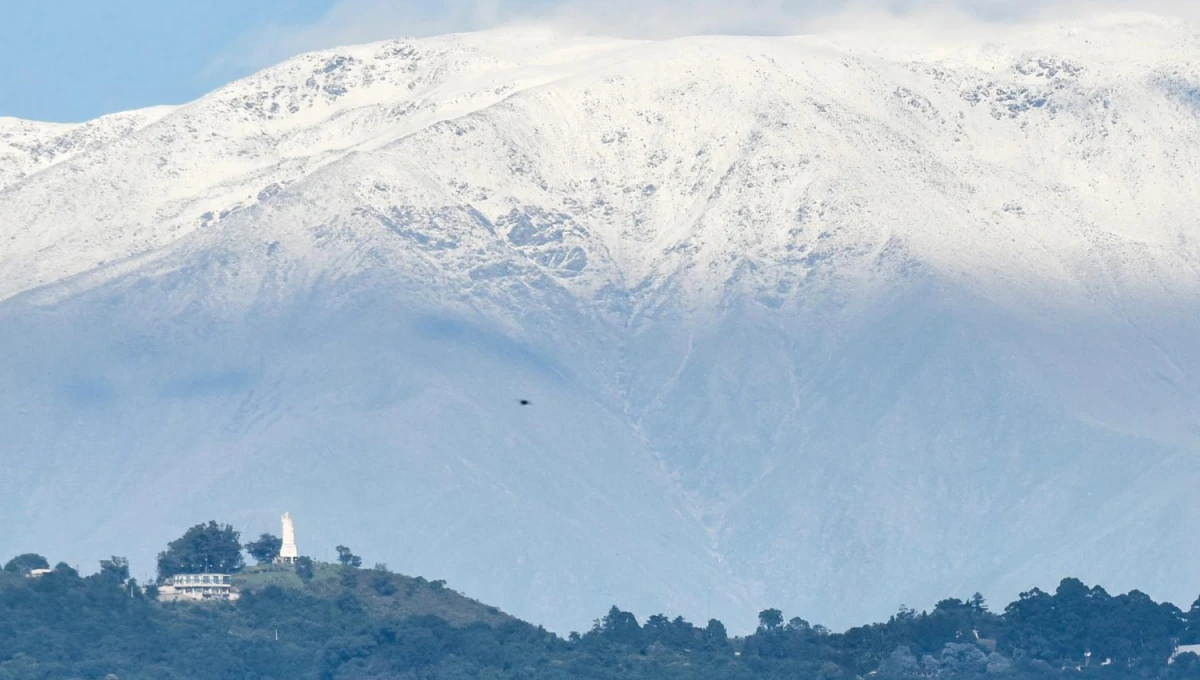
382, 593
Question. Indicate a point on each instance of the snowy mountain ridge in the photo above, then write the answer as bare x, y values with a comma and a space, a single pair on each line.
818, 322
238, 146
244, 142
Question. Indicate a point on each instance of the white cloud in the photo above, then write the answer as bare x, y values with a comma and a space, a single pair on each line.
359, 21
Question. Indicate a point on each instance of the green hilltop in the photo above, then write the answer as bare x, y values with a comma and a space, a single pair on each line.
318, 621
382, 593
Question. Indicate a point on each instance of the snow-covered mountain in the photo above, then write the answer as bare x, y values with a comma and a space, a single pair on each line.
819, 322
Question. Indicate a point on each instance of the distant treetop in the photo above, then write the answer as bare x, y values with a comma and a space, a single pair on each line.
23, 564
205, 548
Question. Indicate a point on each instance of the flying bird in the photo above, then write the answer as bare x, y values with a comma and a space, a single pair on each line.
524, 402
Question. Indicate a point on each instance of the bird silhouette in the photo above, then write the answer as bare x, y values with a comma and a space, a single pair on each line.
524, 402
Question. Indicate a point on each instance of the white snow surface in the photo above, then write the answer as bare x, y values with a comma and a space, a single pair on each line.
827, 323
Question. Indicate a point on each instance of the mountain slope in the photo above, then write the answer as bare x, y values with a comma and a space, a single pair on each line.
802, 320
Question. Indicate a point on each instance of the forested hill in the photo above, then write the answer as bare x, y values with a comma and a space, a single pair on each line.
348, 623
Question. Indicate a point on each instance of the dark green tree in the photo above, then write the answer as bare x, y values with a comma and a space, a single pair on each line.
265, 549
618, 626
115, 569
900, 664
1192, 621
66, 570
963, 660
715, 633
381, 581
347, 558
304, 568
205, 548
770, 619
23, 564
383, 585
978, 603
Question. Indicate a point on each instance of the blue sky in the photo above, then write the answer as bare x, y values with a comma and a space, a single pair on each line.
72, 60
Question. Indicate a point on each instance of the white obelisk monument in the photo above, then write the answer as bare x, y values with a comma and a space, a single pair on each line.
287, 551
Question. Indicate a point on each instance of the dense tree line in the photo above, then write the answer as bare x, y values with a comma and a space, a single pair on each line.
62, 625
357, 623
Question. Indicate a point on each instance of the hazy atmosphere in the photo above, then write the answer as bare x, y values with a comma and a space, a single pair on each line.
599, 339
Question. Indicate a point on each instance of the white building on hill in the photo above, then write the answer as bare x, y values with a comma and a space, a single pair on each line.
198, 587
